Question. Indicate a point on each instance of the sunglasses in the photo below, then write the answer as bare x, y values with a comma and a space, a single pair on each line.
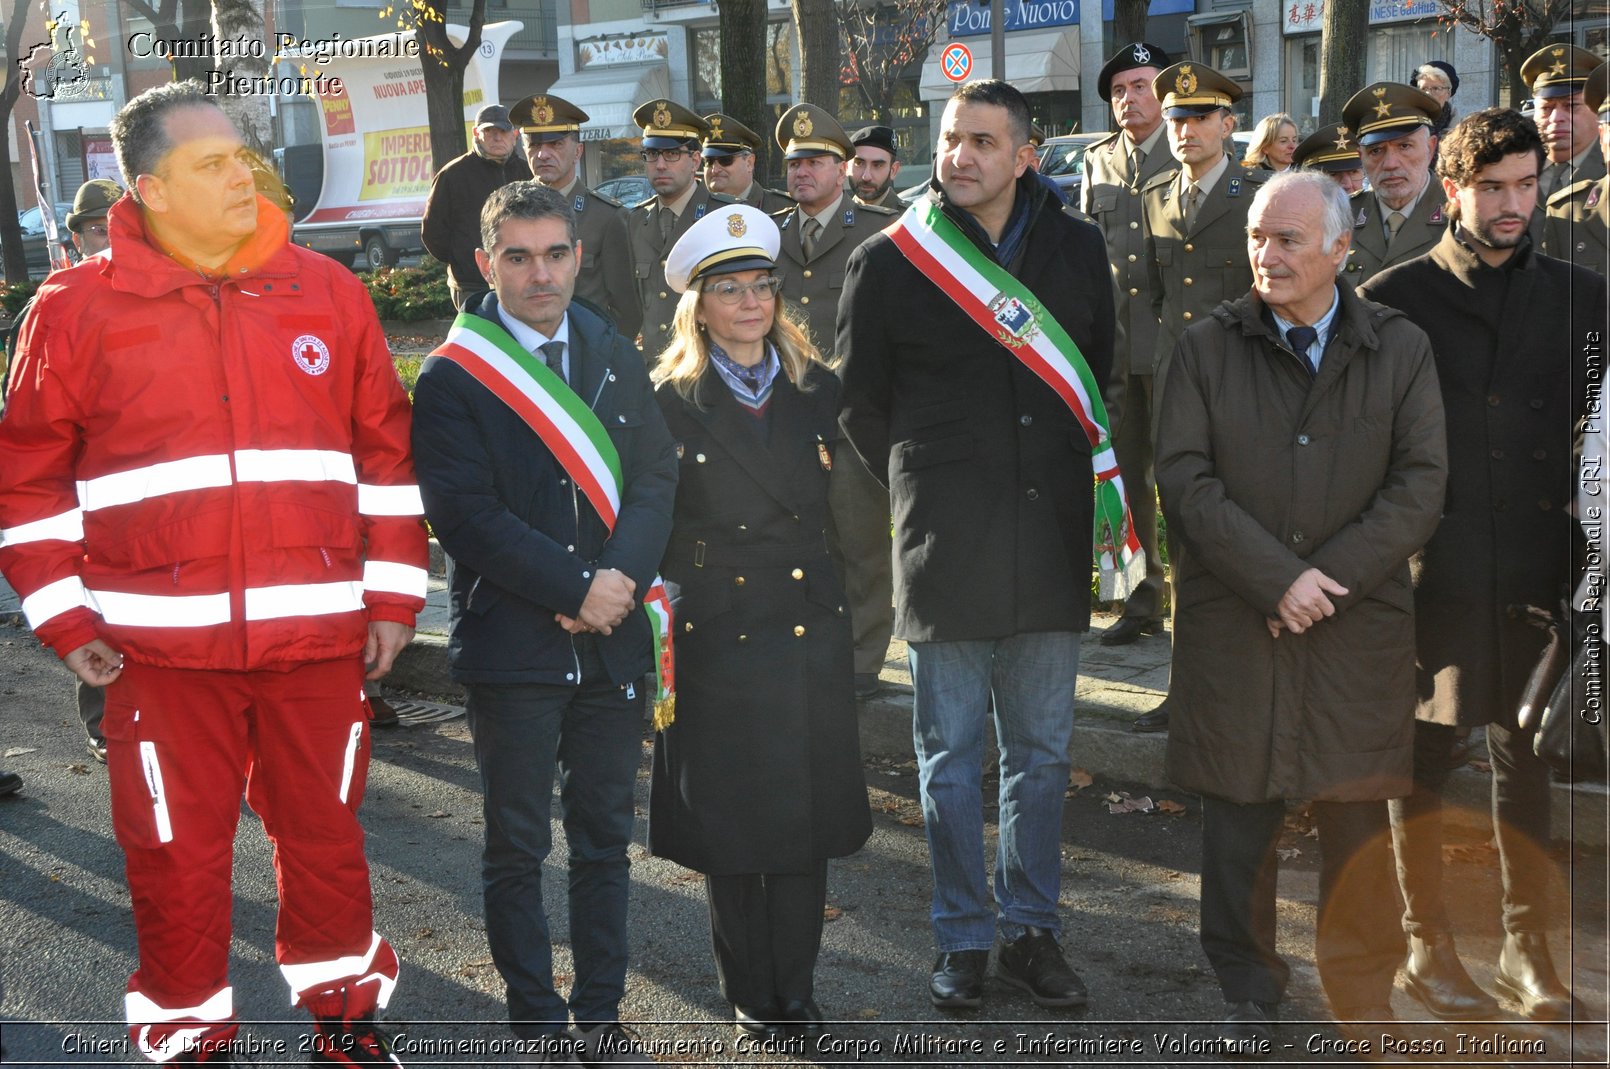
724, 161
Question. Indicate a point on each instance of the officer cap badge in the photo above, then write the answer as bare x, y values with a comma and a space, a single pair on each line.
1342, 142
803, 125
1559, 61
662, 114
736, 225
715, 127
1142, 55
541, 112
1382, 108
1185, 82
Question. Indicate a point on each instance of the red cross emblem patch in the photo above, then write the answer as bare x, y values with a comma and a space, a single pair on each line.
311, 354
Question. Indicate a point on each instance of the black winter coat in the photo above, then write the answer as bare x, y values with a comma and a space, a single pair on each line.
761, 772
988, 471
522, 543
1510, 345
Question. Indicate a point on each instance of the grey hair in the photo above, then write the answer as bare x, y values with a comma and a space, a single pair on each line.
1338, 217
140, 132
1435, 72
523, 200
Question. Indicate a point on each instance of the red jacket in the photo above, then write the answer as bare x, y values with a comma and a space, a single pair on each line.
208, 474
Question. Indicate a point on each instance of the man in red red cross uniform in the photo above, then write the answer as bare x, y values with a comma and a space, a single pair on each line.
208, 507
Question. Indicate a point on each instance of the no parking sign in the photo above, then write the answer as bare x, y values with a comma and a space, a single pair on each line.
956, 61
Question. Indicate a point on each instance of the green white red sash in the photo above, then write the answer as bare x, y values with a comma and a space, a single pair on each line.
577, 439
1009, 313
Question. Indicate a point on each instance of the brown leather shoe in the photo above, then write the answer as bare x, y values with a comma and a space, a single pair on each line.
1433, 974
1526, 973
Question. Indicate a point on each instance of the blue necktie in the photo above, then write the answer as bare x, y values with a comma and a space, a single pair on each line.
1300, 338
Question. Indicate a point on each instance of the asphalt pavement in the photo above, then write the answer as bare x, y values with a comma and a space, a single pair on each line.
1129, 906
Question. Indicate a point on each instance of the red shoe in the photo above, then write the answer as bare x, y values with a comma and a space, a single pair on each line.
337, 1041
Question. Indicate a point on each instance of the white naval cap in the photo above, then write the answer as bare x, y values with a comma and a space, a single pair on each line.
730, 237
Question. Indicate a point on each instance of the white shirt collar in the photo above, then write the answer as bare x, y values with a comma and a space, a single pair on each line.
531, 340
1322, 327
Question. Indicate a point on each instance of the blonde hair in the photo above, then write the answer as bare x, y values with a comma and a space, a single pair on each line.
1264, 134
683, 361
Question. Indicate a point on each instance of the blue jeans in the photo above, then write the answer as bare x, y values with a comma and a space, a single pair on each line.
1032, 677
594, 732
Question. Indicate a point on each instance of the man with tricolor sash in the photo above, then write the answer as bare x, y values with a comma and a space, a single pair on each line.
974, 334
549, 477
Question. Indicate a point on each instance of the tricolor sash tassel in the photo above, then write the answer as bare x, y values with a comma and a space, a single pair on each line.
1006, 310
577, 439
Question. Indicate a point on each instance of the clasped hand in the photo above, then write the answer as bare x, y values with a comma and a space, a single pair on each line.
1305, 603
610, 597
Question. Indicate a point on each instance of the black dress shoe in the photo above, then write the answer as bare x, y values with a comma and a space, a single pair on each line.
1034, 963
1526, 973
1154, 721
755, 1021
381, 714
1129, 628
10, 783
867, 684
1433, 974
1248, 1029
800, 1018
958, 979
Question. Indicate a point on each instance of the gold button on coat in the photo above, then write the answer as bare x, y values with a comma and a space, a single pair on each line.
798, 573
1187, 317
799, 630
1189, 247
738, 581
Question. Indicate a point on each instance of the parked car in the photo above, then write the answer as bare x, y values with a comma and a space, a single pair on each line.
1062, 159
630, 190
33, 236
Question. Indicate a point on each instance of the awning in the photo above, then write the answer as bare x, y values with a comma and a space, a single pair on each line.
609, 93
1038, 61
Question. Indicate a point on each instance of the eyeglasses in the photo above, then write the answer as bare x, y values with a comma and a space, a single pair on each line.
723, 161
730, 292
669, 155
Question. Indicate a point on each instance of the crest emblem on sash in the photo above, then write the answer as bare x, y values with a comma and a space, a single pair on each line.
662, 114
736, 225
803, 125
1185, 81
1017, 325
541, 111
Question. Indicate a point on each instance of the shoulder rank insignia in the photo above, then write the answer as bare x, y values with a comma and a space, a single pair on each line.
698, 213
1436, 216
788, 217
1593, 196
581, 202
1234, 188
1363, 213
849, 217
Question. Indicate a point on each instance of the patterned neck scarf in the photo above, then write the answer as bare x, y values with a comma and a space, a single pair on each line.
750, 385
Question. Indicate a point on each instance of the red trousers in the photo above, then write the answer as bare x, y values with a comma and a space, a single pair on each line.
182, 747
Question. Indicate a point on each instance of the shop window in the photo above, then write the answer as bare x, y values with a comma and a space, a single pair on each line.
1223, 40
1302, 82
1393, 53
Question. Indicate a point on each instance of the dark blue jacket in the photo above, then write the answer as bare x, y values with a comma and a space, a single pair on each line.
523, 543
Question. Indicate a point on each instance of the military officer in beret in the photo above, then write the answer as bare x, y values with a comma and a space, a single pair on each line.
1578, 224
1401, 217
1331, 150
551, 129
671, 145
1116, 167
1557, 75
730, 151
819, 233
874, 166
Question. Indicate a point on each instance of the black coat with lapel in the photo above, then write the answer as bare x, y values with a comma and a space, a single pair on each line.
523, 545
761, 771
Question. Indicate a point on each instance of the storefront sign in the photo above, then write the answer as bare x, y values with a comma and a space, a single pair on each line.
643, 48
1308, 16
965, 18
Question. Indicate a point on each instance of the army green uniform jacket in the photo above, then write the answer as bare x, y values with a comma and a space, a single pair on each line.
1578, 224
648, 261
1370, 254
605, 276
814, 285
